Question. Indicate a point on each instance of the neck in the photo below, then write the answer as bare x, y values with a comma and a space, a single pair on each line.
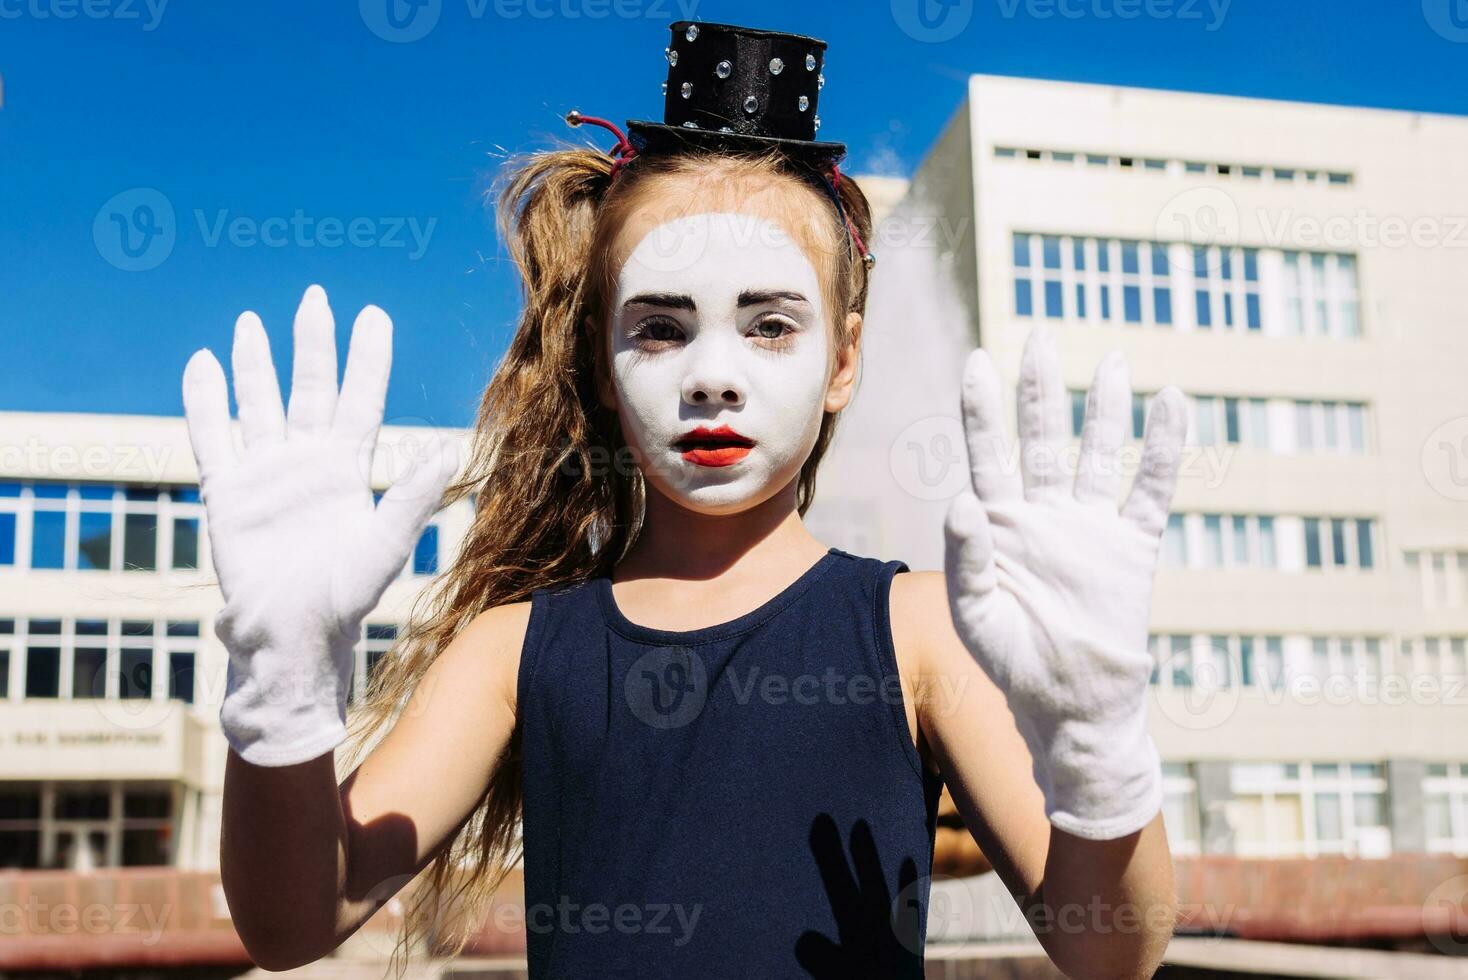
679, 543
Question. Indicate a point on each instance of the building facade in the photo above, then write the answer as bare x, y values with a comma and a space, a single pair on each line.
110, 673
1297, 270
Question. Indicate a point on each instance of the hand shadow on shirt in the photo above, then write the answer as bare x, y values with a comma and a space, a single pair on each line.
874, 938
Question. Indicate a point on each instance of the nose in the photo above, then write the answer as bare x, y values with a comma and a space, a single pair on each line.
714, 380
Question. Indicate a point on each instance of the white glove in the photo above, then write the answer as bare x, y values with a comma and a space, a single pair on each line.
1050, 586
301, 554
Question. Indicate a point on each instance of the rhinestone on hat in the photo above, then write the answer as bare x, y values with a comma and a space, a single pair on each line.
672, 56
810, 62
690, 124
776, 66
724, 70
687, 90
692, 32
820, 82
804, 102
751, 105
818, 122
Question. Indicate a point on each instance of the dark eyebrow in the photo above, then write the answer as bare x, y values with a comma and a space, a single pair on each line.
674, 301
755, 297
750, 297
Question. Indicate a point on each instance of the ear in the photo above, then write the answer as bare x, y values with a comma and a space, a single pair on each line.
843, 379
605, 390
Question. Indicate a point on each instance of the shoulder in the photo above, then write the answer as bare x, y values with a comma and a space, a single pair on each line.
487, 650
919, 602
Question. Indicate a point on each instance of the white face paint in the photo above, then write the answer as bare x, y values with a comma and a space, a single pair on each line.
718, 321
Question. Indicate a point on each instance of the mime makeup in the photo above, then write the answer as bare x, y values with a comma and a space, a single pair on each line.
720, 356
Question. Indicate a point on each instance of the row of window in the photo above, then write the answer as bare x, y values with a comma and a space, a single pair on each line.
80, 826
1277, 425
1184, 661
1284, 542
1184, 287
1162, 165
120, 659
121, 528
1440, 578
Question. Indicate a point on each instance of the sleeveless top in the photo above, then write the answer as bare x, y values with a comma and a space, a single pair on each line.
743, 800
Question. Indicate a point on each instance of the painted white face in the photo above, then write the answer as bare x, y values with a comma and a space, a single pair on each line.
718, 321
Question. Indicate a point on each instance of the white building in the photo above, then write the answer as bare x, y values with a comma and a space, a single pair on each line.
110, 673
1298, 271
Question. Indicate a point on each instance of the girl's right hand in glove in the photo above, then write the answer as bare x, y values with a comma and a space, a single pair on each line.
301, 553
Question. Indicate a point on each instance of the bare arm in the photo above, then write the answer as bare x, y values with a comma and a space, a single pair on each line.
305, 862
1101, 909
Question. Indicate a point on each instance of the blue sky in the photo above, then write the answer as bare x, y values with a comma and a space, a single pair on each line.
304, 113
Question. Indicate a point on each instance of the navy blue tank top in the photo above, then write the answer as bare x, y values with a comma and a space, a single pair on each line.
742, 800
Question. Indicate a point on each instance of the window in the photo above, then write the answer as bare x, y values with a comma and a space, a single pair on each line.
1309, 809
1445, 808
1321, 295
425, 553
1175, 543
99, 527
1228, 540
1180, 811
93, 659
1340, 543
378, 639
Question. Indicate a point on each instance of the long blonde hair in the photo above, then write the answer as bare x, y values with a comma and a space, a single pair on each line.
553, 505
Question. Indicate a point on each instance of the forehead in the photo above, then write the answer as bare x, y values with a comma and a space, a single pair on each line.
716, 253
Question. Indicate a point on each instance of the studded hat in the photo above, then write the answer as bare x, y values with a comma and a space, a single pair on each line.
739, 89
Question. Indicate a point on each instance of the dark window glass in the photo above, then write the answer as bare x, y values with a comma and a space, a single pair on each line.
1338, 541
185, 495
381, 631
425, 554
1131, 297
1363, 544
7, 539
186, 542
1205, 310
136, 682
9, 489
1053, 300
89, 673
91, 627
20, 803
48, 539
137, 627
83, 804
1129, 260
43, 672
46, 627
1106, 302
1023, 303
145, 847
181, 676
1077, 412
20, 848
140, 543
1022, 251
96, 491
141, 493
49, 491
1050, 250
94, 546
1162, 306
1312, 542
147, 804
183, 629
1251, 308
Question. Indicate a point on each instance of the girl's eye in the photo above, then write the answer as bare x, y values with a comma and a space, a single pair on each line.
772, 328
658, 329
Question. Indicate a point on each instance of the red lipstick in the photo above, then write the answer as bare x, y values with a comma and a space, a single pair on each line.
713, 447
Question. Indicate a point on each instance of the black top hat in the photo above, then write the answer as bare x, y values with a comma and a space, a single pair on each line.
742, 89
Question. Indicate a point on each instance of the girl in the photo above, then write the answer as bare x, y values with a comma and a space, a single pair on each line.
726, 739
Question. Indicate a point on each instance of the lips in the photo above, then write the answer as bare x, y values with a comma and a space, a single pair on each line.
713, 447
